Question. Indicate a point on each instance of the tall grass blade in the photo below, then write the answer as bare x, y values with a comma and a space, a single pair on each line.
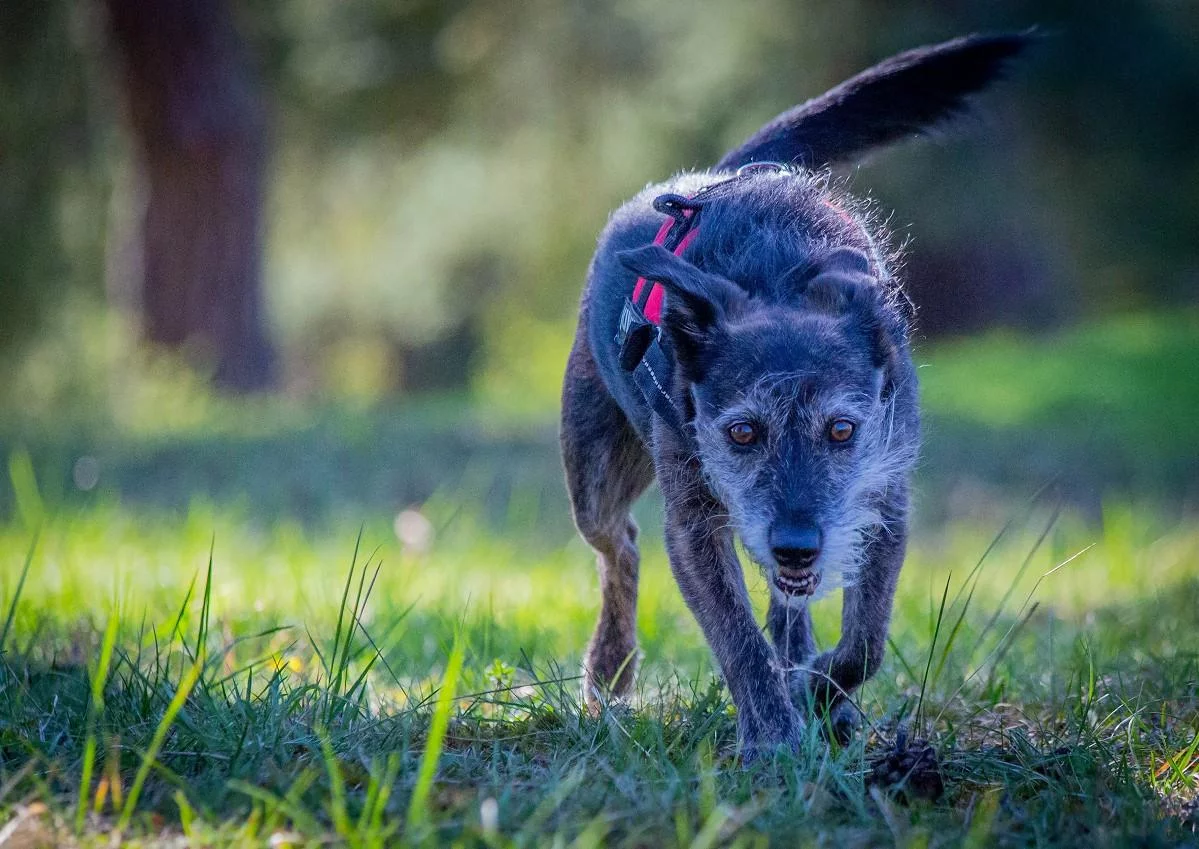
932, 649
1015, 582
337, 789
710, 834
190, 677
94, 712
16, 596
418, 806
288, 804
205, 605
981, 823
24, 487
341, 611
1020, 618
371, 819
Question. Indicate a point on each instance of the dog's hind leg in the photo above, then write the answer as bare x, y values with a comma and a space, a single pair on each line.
607, 467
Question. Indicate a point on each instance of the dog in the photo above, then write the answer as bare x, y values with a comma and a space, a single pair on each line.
743, 338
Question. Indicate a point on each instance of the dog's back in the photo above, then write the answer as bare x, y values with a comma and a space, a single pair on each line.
760, 226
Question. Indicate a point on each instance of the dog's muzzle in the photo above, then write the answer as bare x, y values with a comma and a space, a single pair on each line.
795, 549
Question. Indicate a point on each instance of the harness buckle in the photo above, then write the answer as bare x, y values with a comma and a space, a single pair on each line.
634, 335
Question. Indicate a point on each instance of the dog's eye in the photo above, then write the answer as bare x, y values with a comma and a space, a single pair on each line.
841, 430
743, 433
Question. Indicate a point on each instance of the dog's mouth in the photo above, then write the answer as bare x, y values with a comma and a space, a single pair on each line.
796, 581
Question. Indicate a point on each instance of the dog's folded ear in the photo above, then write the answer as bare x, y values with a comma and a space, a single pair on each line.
697, 302
844, 287
847, 261
682, 279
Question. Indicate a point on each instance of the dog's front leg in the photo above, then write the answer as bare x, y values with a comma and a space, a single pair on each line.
789, 623
700, 545
865, 620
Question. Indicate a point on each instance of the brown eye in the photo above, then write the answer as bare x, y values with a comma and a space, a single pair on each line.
743, 433
841, 430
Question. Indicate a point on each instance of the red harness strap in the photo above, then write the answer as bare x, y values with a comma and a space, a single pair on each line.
651, 306
653, 303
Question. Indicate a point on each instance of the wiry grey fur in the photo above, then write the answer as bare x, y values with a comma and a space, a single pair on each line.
784, 312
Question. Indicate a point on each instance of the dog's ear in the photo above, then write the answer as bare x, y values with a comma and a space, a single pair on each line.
844, 287
841, 279
839, 263
846, 261
709, 295
697, 303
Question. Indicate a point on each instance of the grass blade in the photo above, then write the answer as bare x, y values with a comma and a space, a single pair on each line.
337, 789
932, 649
16, 596
160, 734
206, 604
418, 806
95, 710
24, 486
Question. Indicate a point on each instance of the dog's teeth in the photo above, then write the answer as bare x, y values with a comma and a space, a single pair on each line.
803, 585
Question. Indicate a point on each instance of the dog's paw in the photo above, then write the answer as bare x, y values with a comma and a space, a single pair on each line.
766, 743
761, 752
842, 722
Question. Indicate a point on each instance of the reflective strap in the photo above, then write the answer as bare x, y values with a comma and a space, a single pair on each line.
653, 377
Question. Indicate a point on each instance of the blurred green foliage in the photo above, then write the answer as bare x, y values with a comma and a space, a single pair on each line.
1099, 411
441, 169
54, 181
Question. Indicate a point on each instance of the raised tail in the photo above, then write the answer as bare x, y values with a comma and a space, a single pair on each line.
903, 96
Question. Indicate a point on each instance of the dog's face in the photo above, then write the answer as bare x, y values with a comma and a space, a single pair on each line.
789, 421
793, 413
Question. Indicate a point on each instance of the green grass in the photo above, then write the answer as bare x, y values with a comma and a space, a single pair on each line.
296, 690
237, 673
1107, 406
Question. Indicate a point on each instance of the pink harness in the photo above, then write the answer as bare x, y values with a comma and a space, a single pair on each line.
653, 303
638, 337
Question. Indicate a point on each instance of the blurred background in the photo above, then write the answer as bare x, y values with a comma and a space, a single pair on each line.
286, 291
318, 258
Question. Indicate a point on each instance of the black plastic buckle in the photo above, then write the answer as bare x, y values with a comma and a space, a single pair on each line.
634, 335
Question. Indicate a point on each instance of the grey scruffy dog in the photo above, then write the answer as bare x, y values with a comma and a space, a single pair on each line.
776, 400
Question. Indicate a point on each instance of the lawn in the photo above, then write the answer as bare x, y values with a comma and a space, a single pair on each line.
221, 633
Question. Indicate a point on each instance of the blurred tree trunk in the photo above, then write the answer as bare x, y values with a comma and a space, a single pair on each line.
198, 114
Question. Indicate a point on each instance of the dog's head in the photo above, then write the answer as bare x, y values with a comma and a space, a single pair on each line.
793, 403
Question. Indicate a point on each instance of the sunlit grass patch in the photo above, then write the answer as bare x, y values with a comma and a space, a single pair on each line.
274, 667
1058, 696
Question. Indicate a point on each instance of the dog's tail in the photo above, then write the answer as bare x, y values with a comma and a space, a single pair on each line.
903, 96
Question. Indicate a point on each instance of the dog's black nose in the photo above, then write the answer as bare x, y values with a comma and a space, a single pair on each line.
795, 547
